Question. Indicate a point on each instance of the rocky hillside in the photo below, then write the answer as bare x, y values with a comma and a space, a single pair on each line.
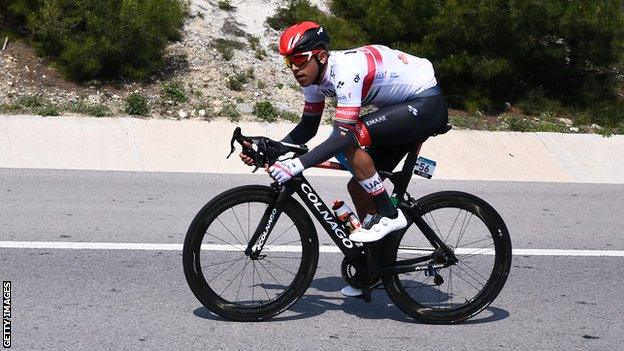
226, 59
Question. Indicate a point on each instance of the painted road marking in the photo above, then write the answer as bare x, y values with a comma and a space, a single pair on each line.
323, 248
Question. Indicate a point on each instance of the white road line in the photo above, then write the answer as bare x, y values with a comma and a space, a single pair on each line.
324, 248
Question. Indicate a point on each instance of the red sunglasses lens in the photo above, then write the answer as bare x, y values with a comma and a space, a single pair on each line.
298, 60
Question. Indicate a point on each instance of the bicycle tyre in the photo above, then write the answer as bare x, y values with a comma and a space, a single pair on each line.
497, 278
192, 255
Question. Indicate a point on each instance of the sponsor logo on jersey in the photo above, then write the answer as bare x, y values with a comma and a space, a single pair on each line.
357, 78
413, 110
342, 97
380, 75
376, 120
339, 85
403, 58
394, 75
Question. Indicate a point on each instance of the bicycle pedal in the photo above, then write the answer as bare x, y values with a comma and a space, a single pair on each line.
366, 296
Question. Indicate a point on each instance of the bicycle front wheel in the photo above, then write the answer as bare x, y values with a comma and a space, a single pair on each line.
480, 241
227, 281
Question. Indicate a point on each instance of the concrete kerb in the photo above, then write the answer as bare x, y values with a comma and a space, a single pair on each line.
133, 144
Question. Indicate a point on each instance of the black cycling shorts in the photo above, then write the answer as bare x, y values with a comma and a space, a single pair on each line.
394, 129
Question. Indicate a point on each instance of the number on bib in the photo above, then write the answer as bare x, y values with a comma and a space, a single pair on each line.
424, 167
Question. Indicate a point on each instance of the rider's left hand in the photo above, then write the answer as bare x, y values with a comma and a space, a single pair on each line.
283, 171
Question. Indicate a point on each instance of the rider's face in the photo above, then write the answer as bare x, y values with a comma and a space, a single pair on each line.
306, 74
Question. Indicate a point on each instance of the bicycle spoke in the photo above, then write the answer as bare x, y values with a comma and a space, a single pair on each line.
223, 271
220, 263
468, 274
290, 242
280, 267
223, 241
233, 279
239, 224
476, 241
452, 226
262, 282
226, 228
463, 231
280, 235
475, 271
271, 274
476, 252
239, 284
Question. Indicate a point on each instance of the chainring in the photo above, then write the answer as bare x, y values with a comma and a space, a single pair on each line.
358, 276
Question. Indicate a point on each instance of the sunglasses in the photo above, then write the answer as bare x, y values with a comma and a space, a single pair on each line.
300, 59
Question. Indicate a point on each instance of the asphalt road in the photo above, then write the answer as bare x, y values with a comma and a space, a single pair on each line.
130, 299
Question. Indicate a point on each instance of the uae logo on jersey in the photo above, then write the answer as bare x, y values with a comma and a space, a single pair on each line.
339, 85
413, 110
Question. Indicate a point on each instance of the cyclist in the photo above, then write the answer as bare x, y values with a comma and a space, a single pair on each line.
410, 106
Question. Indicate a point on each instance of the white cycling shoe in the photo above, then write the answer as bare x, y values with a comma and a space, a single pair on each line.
378, 228
350, 291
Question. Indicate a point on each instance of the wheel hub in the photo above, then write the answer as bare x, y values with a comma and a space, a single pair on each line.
358, 276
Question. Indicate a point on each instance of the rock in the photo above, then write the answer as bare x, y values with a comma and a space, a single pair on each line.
244, 108
10, 83
183, 114
256, 94
507, 106
201, 113
116, 97
574, 129
566, 121
595, 126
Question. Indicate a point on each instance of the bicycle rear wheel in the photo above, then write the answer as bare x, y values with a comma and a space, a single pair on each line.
227, 281
479, 239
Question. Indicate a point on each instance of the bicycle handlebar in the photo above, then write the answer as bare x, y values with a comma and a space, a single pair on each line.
266, 151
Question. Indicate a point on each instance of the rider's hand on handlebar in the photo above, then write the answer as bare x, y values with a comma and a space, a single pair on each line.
248, 160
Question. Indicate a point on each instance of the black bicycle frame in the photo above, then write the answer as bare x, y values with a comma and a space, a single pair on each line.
336, 229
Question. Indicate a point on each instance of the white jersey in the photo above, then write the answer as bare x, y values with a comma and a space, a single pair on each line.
374, 74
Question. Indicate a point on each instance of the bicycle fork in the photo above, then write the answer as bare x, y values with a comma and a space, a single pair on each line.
267, 223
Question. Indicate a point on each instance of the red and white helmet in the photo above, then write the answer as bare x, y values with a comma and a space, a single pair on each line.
304, 36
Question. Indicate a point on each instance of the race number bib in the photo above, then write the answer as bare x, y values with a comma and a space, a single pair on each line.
424, 167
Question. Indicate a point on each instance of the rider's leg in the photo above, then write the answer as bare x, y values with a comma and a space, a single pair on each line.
363, 169
364, 205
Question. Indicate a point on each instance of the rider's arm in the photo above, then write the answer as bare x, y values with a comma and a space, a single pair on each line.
310, 119
341, 137
306, 128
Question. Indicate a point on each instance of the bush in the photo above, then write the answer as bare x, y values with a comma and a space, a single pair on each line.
225, 5
226, 47
175, 92
96, 110
101, 39
265, 111
230, 112
136, 104
237, 81
48, 110
488, 52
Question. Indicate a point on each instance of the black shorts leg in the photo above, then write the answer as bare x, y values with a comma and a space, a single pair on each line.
407, 122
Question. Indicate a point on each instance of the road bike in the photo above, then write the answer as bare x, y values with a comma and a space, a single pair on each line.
252, 251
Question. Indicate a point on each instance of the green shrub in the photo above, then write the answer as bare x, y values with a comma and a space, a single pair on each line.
32, 101
48, 110
225, 5
101, 39
226, 47
175, 92
236, 81
265, 111
488, 52
230, 112
96, 110
289, 116
136, 104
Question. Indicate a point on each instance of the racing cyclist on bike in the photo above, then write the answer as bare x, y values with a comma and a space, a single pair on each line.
410, 106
